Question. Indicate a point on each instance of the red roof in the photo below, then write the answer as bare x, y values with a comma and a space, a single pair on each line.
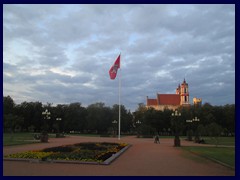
152, 102
168, 99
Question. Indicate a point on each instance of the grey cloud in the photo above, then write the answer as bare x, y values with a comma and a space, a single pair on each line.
73, 46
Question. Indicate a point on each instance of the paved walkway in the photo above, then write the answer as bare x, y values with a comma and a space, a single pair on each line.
143, 158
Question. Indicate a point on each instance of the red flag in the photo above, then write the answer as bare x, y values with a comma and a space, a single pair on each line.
113, 70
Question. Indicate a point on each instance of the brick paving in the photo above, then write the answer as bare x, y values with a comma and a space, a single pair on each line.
143, 158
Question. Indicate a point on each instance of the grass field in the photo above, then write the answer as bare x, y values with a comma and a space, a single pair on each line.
227, 141
225, 155
19, 138
86, 135
27, 138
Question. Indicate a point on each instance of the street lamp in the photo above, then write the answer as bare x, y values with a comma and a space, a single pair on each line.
46, 116
175, 116
58, 119
196, 120
189, 131
138, 124
114, 124
58, 124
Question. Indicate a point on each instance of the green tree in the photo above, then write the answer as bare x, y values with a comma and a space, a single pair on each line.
214, 130
8, 105
126, 117
32, 115
229, 117
11, 122
99, 118
74, 118
60, 112
146, 130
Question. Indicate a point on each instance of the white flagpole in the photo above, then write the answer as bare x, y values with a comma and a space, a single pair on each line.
119, 93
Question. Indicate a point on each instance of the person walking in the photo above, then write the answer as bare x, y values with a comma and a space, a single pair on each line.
157, 139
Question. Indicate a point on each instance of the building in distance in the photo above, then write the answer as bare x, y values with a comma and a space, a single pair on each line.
197, 101
172, 101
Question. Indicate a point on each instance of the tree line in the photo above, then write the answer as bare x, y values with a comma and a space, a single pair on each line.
99, 118
96, 118
212, 120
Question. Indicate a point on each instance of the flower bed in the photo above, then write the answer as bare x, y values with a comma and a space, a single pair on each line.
81, 152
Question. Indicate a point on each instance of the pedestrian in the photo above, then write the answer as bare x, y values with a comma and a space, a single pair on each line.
157, 139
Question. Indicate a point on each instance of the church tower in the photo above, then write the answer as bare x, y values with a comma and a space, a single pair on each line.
178, 89
184, 94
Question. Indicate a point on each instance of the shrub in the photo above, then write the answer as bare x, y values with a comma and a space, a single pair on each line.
59, 149
91, 146
82, 151
104, 156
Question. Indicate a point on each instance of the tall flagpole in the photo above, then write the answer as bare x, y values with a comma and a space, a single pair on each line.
119, 93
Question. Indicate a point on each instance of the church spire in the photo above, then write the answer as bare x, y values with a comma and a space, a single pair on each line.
184, 93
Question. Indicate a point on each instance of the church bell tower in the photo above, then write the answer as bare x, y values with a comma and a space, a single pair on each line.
184, 94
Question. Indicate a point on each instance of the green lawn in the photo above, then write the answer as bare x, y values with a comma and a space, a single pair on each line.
228, 141
87, 135
94, 135
225, 155
19, 138
27, 138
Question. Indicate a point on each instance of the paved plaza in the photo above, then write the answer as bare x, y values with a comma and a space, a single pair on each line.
143, 158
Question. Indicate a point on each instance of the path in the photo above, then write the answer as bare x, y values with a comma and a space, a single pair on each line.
143, 158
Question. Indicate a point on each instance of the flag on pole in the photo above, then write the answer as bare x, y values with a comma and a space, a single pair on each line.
113, 70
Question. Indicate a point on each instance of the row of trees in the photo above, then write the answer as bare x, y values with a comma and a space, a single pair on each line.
212, 120
98, 118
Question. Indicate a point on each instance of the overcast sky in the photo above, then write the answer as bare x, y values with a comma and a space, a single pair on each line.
62, 53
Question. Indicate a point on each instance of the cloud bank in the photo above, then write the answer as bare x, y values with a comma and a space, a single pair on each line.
62, 53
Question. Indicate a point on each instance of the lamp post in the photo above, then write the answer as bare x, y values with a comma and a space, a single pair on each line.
46, 116
175, 123
196, 120
58, 124
189, 131
114, 124
138, 124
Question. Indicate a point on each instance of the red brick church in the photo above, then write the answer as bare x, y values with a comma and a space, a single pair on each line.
171, 101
